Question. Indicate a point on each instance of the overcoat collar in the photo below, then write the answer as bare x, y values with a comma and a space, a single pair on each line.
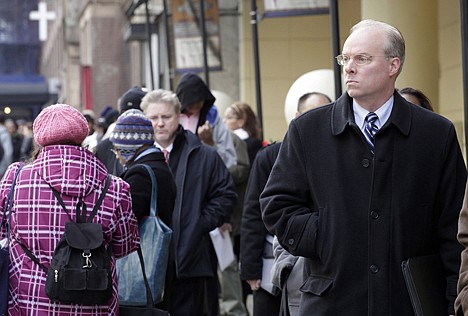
343, 116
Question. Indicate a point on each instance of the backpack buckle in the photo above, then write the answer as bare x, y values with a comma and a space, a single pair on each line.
88, 263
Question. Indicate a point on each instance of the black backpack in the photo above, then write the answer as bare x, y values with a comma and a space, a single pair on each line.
79, 272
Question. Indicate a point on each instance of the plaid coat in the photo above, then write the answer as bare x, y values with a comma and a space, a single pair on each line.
38, 222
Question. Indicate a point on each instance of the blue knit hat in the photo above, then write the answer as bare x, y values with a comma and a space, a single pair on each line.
132, 130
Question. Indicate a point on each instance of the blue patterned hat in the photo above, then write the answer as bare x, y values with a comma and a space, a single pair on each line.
132, 130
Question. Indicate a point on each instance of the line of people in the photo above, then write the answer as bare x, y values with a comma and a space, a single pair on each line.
346, 198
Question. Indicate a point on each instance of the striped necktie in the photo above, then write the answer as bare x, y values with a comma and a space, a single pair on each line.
370, 129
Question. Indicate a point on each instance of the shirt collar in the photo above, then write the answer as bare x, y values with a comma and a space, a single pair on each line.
383, 113
168, 148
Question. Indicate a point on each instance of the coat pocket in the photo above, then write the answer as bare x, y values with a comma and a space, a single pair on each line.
316, 285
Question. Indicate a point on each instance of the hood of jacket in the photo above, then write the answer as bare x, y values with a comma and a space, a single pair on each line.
192, 89
71, 170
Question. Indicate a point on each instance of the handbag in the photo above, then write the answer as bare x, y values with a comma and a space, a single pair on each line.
149, 309
155, 239
4, 251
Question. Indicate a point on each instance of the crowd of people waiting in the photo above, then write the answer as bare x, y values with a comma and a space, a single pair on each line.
215, 171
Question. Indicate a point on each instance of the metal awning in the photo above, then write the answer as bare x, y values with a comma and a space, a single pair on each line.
23, 90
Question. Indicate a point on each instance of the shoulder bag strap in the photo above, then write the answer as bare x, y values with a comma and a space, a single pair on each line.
9, 205
149, 296
153, 212
154, 190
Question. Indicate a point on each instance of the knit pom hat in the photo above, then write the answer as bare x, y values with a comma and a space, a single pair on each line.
132, 130
60, 124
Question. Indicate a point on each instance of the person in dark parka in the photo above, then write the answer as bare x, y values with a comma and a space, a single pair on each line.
253, 233
355, 209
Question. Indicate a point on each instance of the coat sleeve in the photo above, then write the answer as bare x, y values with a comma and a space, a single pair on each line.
240, 171
125, 237
221, 195
286, 201
284, 263
253, 230
224, 143
5, 186
450, 199
461, 303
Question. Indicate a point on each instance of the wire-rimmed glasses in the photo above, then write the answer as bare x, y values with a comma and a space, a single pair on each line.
359, 59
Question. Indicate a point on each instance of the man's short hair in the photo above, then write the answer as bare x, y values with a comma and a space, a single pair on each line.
305, 96
161, 96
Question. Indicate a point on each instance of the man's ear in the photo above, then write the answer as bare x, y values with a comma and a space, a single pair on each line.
395, 66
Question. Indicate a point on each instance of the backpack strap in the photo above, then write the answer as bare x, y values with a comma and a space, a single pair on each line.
33, 257
59, 199
99, 201
80, 209
57, 195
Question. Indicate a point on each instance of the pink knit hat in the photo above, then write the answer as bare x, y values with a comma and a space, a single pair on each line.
60, 124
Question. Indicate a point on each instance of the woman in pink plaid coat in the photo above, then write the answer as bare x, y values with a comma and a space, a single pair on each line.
38, 220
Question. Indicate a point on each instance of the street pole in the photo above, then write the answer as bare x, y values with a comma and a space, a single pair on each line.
203, 34
168, 47
150, 51
258, 92
464, 46
335, 27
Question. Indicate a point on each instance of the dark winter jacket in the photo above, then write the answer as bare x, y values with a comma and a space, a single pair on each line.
105, 154
140, 185
253, 231
205, 199
356, 217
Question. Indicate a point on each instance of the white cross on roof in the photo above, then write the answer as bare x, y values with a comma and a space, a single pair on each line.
42, 15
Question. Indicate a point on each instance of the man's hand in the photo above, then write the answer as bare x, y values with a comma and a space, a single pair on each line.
254, 284
225, 227
205, 133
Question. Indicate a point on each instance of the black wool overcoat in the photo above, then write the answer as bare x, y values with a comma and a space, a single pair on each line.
355, 216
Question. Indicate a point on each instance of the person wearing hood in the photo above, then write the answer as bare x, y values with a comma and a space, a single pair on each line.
38, 220
200, 116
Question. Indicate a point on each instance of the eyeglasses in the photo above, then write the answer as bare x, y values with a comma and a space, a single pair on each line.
359, 59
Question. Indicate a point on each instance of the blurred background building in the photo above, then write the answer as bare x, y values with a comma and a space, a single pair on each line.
22, 88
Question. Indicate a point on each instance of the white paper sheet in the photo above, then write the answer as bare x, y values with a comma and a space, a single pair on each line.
223, 246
